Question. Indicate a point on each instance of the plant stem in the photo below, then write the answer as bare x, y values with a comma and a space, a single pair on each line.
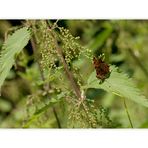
42, 76
68, 73
56, 116
70, 77
34, 47
126, 109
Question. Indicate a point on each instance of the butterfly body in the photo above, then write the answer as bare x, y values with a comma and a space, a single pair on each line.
102, 68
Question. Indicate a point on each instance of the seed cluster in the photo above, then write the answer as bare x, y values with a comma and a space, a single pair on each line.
46, 46
82, 115
70, 45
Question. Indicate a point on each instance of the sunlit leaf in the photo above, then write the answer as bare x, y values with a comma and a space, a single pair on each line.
119, 84
12, 46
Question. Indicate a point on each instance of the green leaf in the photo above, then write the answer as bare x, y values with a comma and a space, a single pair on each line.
118, 83
40, 111
13, 46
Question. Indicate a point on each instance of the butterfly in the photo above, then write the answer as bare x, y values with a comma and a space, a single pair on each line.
102, 68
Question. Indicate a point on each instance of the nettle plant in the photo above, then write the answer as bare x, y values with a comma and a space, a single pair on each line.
58, 87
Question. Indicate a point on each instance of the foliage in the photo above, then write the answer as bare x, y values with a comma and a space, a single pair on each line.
11, 48
54, 84
118, 83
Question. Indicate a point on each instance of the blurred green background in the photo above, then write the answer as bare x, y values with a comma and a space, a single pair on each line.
125, 44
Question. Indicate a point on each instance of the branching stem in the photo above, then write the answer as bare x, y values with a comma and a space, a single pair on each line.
42, 76
68, 72
70, 76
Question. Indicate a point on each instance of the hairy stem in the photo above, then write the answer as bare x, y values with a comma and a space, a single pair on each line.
68, 72
70, 76
126, 109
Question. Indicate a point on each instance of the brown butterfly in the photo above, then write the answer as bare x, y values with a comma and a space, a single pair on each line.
102, 68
